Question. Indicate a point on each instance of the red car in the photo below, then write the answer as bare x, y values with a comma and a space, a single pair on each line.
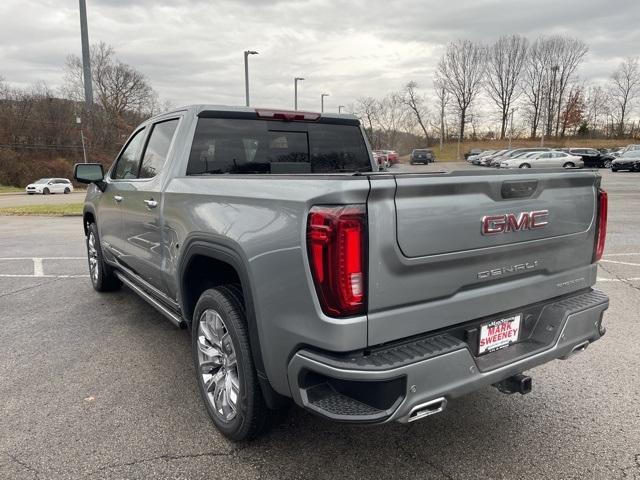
393, 156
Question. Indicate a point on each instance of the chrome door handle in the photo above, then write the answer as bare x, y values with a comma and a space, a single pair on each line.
117, 198
151, 203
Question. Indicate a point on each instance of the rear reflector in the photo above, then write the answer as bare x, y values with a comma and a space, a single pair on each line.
336, 245
287, 115
601, 233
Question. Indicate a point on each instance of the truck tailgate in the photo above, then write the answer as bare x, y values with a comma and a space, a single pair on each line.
450, 248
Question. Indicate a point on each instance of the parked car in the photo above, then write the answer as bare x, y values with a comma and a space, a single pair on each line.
629, 160
422, 155
473, 151
497, 161
630, 148
382, 159
486, 160
304, 276
552, 159
392, 156
591, 157
46, 186
485, 153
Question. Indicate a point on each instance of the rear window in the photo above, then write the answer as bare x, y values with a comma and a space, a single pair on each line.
239, 146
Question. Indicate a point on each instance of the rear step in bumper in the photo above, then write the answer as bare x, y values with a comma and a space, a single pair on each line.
416, 379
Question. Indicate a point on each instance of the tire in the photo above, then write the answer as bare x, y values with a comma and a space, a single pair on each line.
102, 275
525, 165
66, 190
568, 165
46, 191
219, 331
29, 193
614, 169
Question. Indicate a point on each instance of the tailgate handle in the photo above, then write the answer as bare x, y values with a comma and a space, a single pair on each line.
519, 188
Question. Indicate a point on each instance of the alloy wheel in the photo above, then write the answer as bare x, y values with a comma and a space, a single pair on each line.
92, 252
218, 366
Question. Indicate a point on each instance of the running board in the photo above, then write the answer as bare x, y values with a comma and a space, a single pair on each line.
175, 319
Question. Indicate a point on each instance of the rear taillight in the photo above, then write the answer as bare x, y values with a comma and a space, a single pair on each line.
601, 233
336, 244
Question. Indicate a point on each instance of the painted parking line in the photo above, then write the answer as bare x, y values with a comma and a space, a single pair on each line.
622, 254
633, 279
618, 262
38, 267
10, 275
42, 258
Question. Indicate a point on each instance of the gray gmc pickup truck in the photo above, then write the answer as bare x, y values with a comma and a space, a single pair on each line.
306, 275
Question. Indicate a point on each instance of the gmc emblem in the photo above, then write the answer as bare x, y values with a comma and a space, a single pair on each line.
509, 222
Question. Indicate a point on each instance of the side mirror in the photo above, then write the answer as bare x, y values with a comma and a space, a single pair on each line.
89, 173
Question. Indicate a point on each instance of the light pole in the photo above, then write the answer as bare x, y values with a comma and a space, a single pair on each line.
84, 152
340, 107
246, 73
295, 92
86, 60
322, 95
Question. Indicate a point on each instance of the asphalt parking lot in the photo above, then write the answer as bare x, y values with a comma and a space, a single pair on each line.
101, 386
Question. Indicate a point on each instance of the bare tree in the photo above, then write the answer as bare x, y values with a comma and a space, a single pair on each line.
625, 89
415, 103
573, 112
549, 72
535, 80
570, 53
460, 71
597, 106
444, 98
366, 108
119, 87
391, 117
505, 62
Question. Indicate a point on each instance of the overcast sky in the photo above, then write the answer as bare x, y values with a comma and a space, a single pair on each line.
191, 51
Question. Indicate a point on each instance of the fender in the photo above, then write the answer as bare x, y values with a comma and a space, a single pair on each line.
222, 249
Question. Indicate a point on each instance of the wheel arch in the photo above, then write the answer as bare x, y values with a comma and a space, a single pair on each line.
88, 217
202, 252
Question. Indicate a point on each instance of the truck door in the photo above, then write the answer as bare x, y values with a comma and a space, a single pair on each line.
142, 243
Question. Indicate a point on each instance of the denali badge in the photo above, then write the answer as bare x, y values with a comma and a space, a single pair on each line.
497, 272
494, 224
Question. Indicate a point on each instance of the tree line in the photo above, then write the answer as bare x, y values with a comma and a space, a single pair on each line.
535, 82
39, 130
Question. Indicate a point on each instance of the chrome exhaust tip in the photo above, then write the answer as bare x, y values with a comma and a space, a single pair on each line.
428, 408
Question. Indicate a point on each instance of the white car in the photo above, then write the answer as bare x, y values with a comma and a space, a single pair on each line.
46, 186
552, 159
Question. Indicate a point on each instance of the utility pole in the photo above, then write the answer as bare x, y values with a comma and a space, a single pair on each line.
322, 95
246, 74
340, 107
84, 151
295, 92
86, 57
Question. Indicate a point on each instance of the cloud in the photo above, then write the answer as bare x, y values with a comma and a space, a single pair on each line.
191, 50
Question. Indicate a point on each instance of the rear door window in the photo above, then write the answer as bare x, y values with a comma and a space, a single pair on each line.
239, 146
155, 154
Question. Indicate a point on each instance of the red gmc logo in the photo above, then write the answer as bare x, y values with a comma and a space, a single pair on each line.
509, 222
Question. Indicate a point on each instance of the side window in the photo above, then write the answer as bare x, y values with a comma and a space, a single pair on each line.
157, 148
129, 160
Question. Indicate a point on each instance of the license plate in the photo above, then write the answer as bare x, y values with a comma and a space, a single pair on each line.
499, 333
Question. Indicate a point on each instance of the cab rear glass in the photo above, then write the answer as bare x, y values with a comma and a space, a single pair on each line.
256, 146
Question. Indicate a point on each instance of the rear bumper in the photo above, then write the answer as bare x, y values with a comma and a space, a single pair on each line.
388, 383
